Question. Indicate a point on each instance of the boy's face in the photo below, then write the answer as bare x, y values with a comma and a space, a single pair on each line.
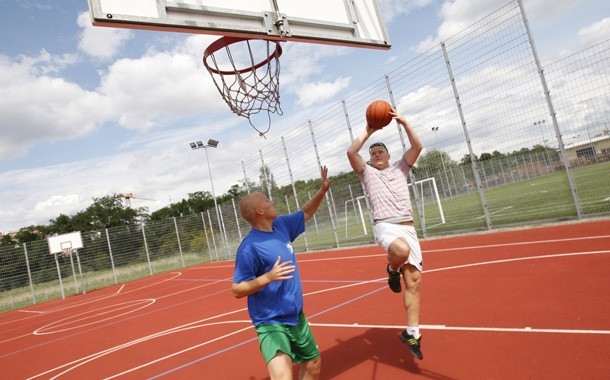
380, 158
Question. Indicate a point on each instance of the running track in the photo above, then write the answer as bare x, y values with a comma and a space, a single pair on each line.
520, 304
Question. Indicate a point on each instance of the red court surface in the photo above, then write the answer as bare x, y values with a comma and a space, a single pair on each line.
520, 304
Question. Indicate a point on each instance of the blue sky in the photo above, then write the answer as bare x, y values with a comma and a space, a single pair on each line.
87, 111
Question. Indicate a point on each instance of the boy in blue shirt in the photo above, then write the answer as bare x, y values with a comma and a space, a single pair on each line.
266, 271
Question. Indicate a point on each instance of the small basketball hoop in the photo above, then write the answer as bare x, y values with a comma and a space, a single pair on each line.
252, 84
66, 252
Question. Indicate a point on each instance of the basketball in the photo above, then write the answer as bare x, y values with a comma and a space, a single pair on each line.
378, 114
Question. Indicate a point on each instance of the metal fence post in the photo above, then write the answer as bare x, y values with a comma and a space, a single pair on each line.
236, 219
111, 258
328, 205
473, 160
146, 249
27, 264
547, 94
179, 244
294, 189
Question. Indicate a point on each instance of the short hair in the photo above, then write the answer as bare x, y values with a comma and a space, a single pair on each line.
378, 144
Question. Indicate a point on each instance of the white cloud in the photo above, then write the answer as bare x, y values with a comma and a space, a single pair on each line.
100, 42
313, 93
395, 8
58, 204
595, 33
37, 107
457, 15
146, 92
139, 94
300, 61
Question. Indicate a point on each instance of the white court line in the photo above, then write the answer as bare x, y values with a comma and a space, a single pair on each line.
462, 328
518, 259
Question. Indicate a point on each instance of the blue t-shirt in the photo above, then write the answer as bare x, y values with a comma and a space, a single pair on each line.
279, 302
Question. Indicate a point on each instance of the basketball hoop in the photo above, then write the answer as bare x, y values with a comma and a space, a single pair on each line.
66, 252
251, 88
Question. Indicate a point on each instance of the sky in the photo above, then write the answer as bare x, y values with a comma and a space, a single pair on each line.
88, 111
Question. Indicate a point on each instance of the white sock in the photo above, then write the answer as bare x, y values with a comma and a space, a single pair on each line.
414, 331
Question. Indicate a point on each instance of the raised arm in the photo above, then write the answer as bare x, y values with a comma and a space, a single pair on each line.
413, 152
355, 159
311, 206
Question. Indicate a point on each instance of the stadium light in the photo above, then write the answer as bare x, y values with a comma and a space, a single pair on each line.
211, 144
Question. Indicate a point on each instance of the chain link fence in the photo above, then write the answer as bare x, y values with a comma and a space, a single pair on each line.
507, 140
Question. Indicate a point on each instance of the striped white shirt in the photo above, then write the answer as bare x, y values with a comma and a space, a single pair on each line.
388, 191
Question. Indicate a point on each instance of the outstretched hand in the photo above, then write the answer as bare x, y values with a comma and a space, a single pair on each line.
281, 271
325, 181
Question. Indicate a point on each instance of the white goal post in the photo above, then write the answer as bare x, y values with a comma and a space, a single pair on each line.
436, 197
357, 208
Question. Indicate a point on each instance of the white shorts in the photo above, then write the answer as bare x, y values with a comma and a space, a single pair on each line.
386, 233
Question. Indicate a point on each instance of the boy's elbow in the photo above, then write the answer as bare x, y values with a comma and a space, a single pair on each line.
236, 292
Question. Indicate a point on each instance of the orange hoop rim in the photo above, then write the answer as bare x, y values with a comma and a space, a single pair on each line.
226, 41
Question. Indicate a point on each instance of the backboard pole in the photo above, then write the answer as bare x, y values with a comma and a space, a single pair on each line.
61, 285
74, 274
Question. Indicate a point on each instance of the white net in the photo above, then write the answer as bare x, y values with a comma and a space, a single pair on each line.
247, 77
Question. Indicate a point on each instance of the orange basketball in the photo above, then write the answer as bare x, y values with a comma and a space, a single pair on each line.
378, 114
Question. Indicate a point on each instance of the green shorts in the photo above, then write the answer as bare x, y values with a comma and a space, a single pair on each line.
296, 341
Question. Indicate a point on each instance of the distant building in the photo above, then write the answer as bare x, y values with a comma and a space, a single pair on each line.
596, 149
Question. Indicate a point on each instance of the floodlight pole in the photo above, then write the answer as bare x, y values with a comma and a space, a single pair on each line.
539, 124
435, 130
211, 144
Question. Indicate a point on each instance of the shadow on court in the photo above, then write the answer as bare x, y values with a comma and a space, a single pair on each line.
375, 346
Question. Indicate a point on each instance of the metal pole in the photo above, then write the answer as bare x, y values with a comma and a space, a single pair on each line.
547, 94
61, 284
473, 163
294, 189
326, 196
213, 237
111, 258
27, 263
207, 239
212, 183
236, 219
179, 244
224, 233
147, 253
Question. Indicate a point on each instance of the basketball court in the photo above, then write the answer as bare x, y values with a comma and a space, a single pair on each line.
527, 303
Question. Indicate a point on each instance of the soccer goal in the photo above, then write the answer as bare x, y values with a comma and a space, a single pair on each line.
356, 212
356, 208
428, 194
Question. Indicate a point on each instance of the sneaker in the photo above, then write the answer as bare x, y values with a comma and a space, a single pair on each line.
394, 280
413, 344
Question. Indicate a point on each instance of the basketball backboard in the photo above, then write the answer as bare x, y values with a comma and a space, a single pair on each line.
61, 243
355, 23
